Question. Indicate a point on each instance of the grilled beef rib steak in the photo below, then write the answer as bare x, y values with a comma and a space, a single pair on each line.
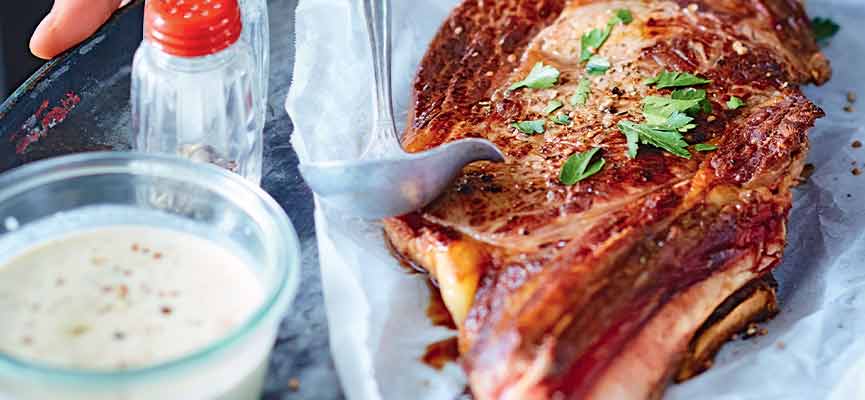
594, 291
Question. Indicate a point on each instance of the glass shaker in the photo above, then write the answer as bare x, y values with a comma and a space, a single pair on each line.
194, 91
256, 33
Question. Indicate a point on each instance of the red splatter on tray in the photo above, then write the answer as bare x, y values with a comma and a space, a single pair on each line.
40, 123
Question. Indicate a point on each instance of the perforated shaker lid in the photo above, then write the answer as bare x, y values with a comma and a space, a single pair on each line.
192, 28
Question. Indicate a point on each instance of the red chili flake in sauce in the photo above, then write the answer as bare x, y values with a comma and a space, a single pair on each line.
166, 310
157, 255
135, 247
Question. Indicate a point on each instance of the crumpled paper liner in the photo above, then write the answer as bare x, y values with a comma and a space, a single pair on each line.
815, 348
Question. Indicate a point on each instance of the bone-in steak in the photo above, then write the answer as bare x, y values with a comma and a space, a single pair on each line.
595, 290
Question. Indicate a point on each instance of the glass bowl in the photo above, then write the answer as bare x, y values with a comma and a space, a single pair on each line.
210, 201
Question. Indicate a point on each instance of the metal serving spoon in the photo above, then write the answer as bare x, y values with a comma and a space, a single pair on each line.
386, 181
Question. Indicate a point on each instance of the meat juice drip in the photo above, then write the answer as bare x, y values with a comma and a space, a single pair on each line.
445, 351
442, 352
197, 92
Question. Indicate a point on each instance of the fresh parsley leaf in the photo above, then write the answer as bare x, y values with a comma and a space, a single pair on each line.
597, 65
530, 127
622, 15
824, 29
667, 79
705, 147
680, 122
694, 94
578, 167
659, 109
735, 103
582, 93
592, 40
632, 134
553, 105
666, 119
689, 94
561, 119
652, 80
540, 77
668, 139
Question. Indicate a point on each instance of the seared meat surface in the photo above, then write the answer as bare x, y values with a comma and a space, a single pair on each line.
595, 290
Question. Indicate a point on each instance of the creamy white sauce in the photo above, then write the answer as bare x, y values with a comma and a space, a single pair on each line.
122, 297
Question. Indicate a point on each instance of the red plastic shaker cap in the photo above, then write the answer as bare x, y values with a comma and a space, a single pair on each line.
192, 28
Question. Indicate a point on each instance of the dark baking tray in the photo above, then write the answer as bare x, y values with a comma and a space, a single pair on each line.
76, 102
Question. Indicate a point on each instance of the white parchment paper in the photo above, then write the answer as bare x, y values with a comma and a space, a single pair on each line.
815, 348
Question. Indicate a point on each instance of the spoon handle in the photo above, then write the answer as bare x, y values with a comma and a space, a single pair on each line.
384, 141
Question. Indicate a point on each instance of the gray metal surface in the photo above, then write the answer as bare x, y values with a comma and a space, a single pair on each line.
302, 351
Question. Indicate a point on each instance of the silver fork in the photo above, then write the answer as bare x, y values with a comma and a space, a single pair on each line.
386, 181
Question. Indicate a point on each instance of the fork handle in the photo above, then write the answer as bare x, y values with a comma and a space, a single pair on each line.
384, 140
